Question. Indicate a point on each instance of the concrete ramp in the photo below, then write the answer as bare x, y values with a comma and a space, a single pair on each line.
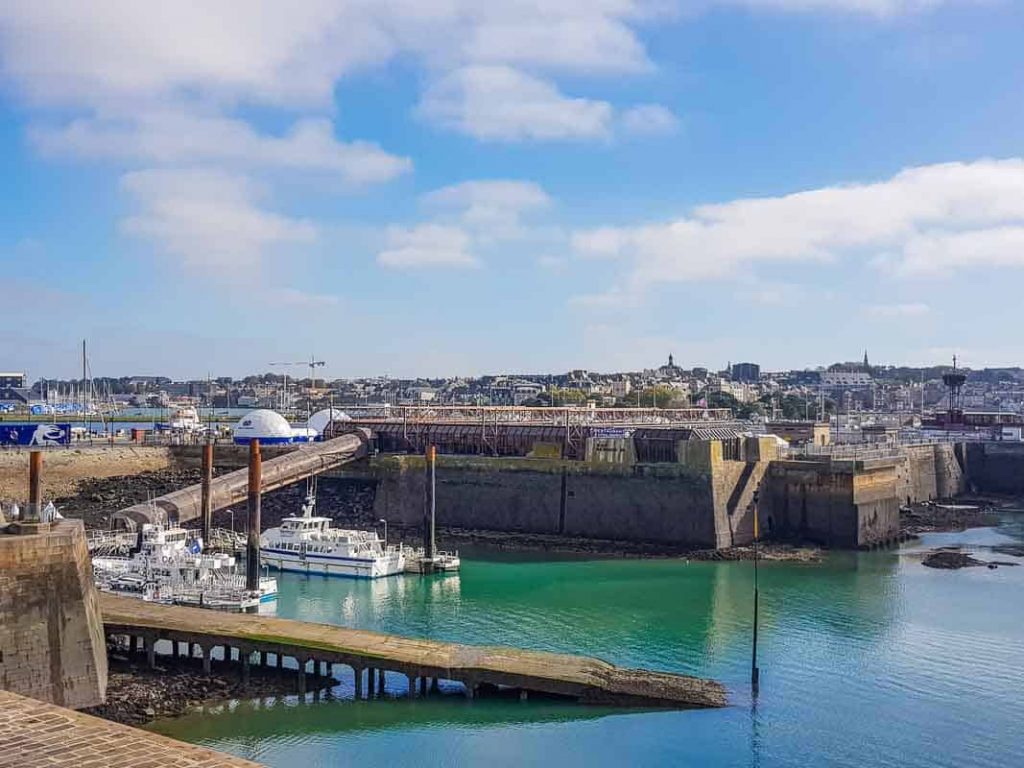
232, 488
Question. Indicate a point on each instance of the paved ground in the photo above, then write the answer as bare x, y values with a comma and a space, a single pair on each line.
36, 734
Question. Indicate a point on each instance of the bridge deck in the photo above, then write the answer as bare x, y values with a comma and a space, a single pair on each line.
583, 678
232, 488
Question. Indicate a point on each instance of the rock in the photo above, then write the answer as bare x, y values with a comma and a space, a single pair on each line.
950, 560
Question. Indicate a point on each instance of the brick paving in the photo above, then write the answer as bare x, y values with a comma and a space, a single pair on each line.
33, 733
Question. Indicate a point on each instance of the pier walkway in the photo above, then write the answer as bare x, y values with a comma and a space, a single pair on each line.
478, 668
232, 488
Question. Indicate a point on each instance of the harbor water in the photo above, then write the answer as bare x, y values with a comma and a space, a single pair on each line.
867, 659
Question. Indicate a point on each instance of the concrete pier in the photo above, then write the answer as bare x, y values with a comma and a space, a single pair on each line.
581, 678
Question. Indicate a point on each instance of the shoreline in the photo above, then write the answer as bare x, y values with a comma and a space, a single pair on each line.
137, 695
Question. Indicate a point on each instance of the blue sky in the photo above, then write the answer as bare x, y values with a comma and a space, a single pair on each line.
449, 187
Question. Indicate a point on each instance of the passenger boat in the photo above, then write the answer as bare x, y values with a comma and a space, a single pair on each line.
169, 566
307, 543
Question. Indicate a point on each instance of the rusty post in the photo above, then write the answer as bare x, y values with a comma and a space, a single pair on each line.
207, 505
429, 503
252, 559
35, 486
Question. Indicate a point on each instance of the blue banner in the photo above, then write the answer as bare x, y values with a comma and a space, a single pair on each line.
35, 434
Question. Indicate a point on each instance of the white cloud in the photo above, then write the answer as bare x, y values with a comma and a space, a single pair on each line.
177, 137
890, 311
872, 7
466, 218
426, 245
927, 220
491, 208
209, 220
498, 103
649, 120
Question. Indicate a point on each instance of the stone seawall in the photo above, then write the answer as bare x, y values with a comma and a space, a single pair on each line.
52, 645
663, 503
995, 467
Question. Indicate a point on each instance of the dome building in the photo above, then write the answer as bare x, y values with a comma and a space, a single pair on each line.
269, 427
318, 421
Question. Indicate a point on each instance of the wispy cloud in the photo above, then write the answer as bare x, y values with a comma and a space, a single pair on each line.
209, 220
925, 221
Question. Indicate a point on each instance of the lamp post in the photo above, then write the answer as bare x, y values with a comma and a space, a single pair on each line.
385, 522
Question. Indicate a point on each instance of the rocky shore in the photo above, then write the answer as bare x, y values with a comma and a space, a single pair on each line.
137, 694
931, 517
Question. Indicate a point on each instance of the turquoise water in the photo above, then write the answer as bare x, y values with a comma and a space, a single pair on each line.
868, 659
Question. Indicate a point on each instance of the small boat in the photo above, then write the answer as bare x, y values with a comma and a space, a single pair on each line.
169, 566
307, 543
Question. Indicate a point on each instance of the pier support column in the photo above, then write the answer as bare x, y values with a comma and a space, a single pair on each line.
252, 552
412, 686
434, 686
302, 674
358, 681
423, 686
151, 652
207, 652
279, 660
470, 689
370, 681
380, 682
245, 667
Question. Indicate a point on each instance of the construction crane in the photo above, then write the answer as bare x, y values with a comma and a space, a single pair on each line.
312, 364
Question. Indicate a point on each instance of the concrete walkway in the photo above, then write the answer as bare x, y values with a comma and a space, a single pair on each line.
579, 677
36, 734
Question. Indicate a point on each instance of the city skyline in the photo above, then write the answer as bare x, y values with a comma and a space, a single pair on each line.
453, 189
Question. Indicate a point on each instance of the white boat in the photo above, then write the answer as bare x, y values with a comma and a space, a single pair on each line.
186, 419
308, 544
169, 566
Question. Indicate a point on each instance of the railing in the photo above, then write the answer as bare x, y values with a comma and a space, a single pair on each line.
554, 416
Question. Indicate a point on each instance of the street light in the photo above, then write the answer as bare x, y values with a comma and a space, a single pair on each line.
382, 520
232, 513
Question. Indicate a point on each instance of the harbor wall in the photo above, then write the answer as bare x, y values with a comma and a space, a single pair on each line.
843, 504
702, 501
994, 467
52, 645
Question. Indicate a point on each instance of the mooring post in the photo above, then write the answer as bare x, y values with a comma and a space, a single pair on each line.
35, 487
207, 502
429, 503
252, 561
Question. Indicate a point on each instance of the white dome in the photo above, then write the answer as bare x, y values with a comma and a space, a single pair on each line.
319, 420
267, 426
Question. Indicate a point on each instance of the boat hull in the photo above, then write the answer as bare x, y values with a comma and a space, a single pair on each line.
331, 565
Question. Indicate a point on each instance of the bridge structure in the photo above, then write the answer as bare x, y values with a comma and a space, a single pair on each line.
186, 504
253, 639
515, 430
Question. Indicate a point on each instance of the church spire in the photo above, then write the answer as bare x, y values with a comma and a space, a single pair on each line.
867, 365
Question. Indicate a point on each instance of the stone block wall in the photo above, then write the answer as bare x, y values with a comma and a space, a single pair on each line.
52, 645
